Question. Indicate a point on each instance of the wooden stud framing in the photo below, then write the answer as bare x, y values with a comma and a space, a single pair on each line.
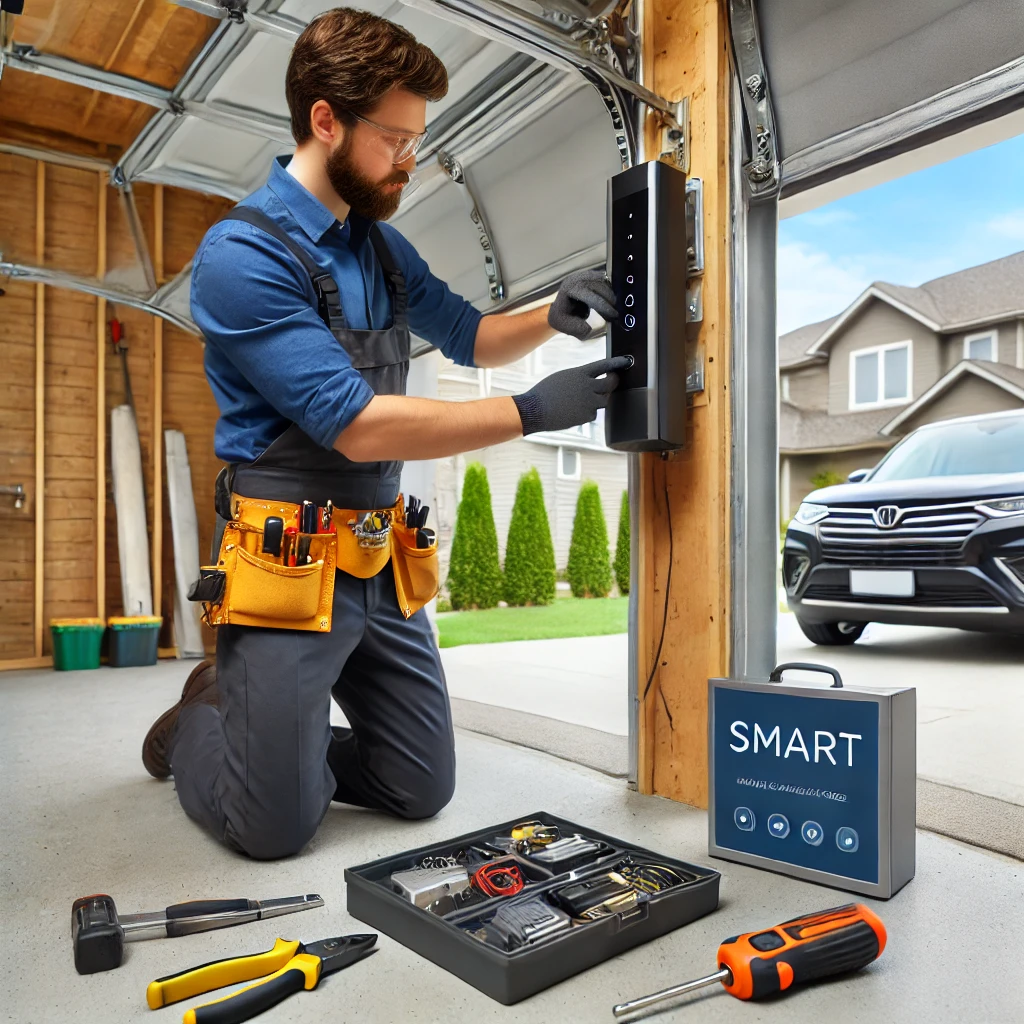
13, 664
101, 402
156, 447
683, 560
40, 431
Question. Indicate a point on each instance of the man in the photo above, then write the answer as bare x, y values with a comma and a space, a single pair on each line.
307, 301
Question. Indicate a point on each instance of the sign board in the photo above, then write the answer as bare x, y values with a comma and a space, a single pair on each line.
818, 783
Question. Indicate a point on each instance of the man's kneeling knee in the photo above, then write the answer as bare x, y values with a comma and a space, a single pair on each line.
271, 840
431, 795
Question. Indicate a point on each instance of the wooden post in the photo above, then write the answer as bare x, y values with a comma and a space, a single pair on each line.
683, 560
156, 447
40, 431
101, 402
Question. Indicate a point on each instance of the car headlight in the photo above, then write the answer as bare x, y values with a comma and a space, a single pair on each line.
809, 513
1003, 507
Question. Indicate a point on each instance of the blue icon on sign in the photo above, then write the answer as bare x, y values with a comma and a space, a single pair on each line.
847, 840
778, 826
744, 818
811, 833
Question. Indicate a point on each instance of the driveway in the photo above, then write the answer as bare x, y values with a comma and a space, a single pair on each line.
970, 690
970, 696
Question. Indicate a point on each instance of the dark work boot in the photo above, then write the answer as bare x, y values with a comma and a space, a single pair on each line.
200, 688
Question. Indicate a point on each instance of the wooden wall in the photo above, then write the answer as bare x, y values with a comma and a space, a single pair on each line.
71, 220
683, 533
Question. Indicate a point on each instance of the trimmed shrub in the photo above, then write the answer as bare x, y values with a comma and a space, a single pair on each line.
621, 563
826, 478
474, 573
529, 554
589, 570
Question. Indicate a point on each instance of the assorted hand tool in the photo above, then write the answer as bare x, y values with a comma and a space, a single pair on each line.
424, 886
768, 962
291, 543
273, 535
416, 519
98, 932
287, 968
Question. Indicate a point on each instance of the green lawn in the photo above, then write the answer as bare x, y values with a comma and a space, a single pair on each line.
568, 616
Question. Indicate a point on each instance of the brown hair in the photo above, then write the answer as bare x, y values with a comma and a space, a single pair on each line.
352, 59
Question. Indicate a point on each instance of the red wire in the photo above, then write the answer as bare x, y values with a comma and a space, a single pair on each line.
483, 880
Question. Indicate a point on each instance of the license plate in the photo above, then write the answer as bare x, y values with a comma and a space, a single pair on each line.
882, 583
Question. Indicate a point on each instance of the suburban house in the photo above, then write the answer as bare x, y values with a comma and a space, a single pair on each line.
894, 359
564, 458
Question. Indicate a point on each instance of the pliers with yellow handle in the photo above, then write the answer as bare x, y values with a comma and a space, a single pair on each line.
288, 967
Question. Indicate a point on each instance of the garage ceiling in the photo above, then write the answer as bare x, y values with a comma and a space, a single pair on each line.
541, 109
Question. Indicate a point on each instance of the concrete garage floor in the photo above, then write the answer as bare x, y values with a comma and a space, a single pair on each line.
970, 710
80, 815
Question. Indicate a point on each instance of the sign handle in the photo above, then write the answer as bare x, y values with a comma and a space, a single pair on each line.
807, 666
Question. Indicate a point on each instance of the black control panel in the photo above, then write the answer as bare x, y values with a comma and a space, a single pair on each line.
629, 279
647, 264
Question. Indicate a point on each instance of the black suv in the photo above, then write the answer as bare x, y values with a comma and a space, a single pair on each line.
932, 536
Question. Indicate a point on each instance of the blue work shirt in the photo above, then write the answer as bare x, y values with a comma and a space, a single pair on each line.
270, 359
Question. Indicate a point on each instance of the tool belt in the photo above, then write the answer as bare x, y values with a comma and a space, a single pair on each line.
248, 587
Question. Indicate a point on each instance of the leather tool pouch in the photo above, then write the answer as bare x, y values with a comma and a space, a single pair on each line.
209, 588
416, 569
258, 591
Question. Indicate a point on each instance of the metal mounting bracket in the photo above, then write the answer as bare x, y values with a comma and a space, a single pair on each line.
675, 134
492, 267
761, 171
695, 226
694, 283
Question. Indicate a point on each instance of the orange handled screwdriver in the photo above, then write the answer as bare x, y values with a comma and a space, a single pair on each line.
805, 949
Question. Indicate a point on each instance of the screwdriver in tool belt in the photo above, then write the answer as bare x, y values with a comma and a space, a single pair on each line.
768, 962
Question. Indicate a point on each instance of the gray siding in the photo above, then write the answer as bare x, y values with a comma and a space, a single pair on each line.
1007, 347
968, 396
808, 388
880, 324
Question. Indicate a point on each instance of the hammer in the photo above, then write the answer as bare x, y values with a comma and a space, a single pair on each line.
98, 933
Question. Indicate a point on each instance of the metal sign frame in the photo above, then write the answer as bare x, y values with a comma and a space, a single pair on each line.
896, 796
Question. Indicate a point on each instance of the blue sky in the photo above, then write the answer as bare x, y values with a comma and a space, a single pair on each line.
933, 222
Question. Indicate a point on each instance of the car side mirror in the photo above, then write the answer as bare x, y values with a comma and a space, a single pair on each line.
857, 476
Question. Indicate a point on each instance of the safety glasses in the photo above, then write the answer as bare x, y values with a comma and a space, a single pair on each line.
399, 146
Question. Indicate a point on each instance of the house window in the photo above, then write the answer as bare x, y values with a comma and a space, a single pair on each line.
568, 464
880, 376
981, 346
785, 387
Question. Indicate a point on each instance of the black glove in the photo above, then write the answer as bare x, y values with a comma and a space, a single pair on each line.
581, 292
570, 397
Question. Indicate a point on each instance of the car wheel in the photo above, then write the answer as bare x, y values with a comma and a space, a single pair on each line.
832, 634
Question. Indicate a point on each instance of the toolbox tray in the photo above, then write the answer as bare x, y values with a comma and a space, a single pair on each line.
509, 977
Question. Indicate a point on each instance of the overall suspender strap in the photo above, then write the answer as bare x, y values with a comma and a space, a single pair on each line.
395, 278
328, 299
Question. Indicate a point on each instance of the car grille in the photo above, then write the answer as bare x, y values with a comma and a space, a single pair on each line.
931, 595
924, 535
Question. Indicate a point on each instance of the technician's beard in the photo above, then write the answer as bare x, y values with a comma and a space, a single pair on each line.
366, 197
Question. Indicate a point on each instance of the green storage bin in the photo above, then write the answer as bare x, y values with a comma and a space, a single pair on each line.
133, 640
76, 643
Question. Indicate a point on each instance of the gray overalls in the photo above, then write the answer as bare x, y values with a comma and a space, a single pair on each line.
261, 770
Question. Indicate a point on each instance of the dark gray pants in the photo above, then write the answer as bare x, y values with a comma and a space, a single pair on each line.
260, 770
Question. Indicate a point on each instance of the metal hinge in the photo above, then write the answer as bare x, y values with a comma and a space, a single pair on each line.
694, 282
761, 170
675, 135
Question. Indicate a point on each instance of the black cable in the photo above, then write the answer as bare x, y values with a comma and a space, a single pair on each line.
668, 586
